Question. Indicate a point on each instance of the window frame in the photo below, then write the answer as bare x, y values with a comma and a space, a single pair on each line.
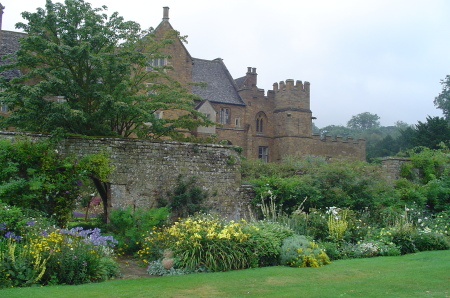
263, 153
225, 116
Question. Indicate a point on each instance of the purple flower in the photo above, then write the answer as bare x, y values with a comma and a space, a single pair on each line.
79, 183
2, 226
67, 191
13, 236
30, 222
43, 233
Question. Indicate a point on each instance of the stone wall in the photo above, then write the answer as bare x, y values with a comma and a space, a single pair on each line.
392, 166
146, 170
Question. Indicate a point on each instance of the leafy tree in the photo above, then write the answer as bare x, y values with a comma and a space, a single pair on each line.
34, 175
428, 134
95, 65
364, 121
442, 101
337, 130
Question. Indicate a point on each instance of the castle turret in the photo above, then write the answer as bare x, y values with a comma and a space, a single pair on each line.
292, 109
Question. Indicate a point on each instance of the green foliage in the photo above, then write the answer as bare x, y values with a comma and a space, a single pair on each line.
155, 268
298, 251
185, 199
208, 243
363, 249
36, 176
18, 265
442, 101
130, 225
97, 65
426, 178
430, 241
49, 256
339, 183
265, 239
364, 121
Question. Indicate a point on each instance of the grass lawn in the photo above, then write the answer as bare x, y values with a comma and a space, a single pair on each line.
424, 274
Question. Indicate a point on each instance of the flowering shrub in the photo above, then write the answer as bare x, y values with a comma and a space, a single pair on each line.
264, 241
56, 257
130, 226
207, 243
337, 223
298, 251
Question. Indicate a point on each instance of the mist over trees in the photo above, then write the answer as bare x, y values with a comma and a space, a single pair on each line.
382, 141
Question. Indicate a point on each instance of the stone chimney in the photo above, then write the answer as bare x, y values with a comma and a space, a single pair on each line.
252, 77
1, 15
165, 13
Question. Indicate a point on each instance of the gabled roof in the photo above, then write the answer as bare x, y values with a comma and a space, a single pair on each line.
9, 44
220, 86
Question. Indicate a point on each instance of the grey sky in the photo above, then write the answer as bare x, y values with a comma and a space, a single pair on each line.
381, 56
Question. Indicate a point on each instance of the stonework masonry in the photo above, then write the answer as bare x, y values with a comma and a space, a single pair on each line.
145, 170
392, 166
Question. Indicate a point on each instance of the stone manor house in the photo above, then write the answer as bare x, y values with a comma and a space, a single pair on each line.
267, 125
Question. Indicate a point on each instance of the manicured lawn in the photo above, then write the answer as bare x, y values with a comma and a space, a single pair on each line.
425, 274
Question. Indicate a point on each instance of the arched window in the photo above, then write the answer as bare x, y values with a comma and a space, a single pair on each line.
260, 119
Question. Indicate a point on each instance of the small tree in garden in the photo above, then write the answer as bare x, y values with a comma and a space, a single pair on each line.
98, 65
34, 175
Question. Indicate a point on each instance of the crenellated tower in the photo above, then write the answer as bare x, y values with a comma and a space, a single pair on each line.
292, 113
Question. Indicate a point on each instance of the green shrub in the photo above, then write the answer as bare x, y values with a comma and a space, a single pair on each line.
332, 249
430, 241
35, 176
130, 226
341, 183
76, 256
298, 251
56, 257
11, 218
206, 242
107, 268
185, 199
264, 241
19, 264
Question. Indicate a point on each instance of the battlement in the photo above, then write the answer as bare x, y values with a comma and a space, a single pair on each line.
338, 139
289, 85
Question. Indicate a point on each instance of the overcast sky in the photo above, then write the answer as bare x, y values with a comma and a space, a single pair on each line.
386, 57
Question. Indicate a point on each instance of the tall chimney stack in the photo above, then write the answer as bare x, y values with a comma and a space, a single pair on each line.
1, 15
166, 13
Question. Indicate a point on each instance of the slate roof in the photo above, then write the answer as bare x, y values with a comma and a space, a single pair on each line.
220, 86
9, 44
240, 82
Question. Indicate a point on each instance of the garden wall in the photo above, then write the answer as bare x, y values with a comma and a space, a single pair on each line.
392, 166
145, 170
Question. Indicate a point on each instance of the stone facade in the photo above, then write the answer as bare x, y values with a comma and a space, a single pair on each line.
266, 125
145, 170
